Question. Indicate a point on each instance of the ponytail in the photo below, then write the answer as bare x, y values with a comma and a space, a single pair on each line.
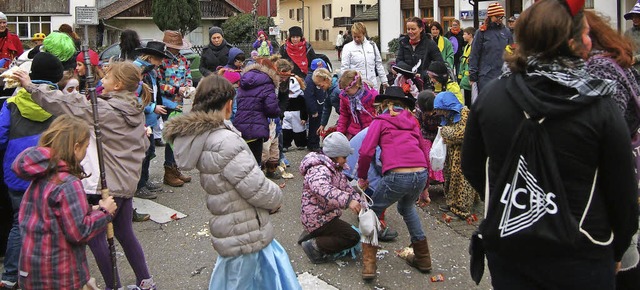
145, 94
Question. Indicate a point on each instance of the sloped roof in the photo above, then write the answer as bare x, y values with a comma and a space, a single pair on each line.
369, 15
116, 8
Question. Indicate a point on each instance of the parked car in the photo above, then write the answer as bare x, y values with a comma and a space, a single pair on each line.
193, 57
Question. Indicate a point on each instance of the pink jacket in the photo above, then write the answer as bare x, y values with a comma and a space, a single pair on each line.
399, 138
346, 123
325, 192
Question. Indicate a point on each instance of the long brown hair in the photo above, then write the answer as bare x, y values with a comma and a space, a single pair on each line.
62, 135
548, 26
603, 37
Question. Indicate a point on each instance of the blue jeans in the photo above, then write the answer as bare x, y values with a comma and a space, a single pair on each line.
404, 188
14, 243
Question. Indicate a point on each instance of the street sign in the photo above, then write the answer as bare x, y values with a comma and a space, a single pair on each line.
274, 30
468, 14
86, 15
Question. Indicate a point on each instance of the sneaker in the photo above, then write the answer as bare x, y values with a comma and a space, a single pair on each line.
8, 285
286, 162
388, 235
313, 253
285, 149
153, 187
301, 148
140, 217
143, 192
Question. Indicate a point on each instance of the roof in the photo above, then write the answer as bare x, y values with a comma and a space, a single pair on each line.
369, 15
116, 8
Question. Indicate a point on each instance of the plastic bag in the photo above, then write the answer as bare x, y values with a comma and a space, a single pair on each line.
438, 152
369, 224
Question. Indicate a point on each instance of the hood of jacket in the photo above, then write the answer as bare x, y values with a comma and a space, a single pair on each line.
35, 162
127, 104
314, 159
28, 108
192, 129
233, 52
403, 121
256, 75
541, 97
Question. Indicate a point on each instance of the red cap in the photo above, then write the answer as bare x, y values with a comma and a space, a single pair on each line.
93, 57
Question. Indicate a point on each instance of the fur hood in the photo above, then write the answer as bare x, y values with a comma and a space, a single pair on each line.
250, 80
192, 124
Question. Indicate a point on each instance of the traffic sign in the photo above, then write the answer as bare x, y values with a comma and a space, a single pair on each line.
86, 15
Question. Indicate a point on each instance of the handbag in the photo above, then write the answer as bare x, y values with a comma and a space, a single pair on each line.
438, 153
368, 221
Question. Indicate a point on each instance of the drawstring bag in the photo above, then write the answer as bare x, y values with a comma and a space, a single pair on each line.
438, 152
369, 224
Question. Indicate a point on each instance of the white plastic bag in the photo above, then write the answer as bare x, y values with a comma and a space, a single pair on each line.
368, 221
438, 152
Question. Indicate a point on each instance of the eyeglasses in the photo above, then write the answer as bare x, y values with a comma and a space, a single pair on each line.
501, 17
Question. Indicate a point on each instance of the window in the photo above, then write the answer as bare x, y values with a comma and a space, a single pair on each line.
26, 26
284, 34
427, 15
356, 9
322, 34
291, 14
326, 11
299, 14
447, 16
406, 14
588, 4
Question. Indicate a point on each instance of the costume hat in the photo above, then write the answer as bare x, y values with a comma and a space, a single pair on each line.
495, 9
634, 10
173, 39
397, 94
156, 48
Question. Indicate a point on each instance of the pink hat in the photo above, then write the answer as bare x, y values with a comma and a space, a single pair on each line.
232, 76
93, 57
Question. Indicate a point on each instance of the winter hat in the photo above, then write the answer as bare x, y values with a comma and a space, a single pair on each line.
254, 53
448, 101
59, 44
232, 76
634, 10
46, 67
439, 71
93, 57
318, 63
3, 17
215, 29
295, 31
495, 9
335, 145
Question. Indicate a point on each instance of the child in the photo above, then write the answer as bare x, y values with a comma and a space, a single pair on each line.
404, 169
314, 98
326, 191
239, 196
232, 70
55, 217
263, 45
124, 140
356, 104
459, 194
256, 101
463, 76
407, 79
150, 58
21, 123
442, 80
429, 123
329, 84
81, 69
69, 83
295, 115
284, 69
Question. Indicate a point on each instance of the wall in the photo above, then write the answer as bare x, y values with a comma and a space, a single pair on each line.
391, 16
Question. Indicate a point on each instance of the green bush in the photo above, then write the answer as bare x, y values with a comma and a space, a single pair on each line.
394, 44
376, 39
239, 28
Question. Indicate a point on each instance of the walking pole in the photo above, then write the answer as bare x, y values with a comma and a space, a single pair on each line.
96, 127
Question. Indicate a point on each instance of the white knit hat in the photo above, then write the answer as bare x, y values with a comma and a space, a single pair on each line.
335, 145
3, 16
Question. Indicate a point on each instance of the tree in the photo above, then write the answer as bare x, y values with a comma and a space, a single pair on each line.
180, 15
240, 28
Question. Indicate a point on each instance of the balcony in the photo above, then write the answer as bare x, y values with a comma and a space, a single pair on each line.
342, 22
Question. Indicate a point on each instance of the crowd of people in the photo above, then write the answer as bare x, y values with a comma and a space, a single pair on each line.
562, 136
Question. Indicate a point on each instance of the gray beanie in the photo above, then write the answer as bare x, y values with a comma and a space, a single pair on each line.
3, 17
335, 145
215, 29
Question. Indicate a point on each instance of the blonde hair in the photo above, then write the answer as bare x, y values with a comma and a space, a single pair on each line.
130, 76
349, 79
389, 104
359, 27
321, 73
62, 135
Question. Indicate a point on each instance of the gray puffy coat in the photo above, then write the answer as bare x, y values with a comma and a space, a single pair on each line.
239, 196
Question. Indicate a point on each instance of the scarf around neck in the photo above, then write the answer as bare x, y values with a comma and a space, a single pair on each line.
455, 30
355, 104
298, 54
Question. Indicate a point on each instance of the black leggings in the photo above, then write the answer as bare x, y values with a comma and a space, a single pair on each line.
256, 148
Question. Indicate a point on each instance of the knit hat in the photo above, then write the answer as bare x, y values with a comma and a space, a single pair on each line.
46, 67
335, 145
495, 9
59, 44
93, 57
439, 71
318, 63
254, 53
634, 10
215, 29
295, 31
3, 17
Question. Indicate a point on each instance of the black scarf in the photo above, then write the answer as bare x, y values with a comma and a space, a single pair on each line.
4, 33
219, 47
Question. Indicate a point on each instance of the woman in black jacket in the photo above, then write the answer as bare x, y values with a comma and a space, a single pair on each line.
593, 160
416, 47
216, 54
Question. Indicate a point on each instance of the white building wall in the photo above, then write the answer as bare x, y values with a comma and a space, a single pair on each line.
70, 19
391, 22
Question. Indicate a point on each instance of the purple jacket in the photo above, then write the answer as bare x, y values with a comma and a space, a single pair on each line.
399, 138
325, 192
256, 101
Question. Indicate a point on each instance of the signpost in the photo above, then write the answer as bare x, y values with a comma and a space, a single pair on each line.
86, 16
274, 30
